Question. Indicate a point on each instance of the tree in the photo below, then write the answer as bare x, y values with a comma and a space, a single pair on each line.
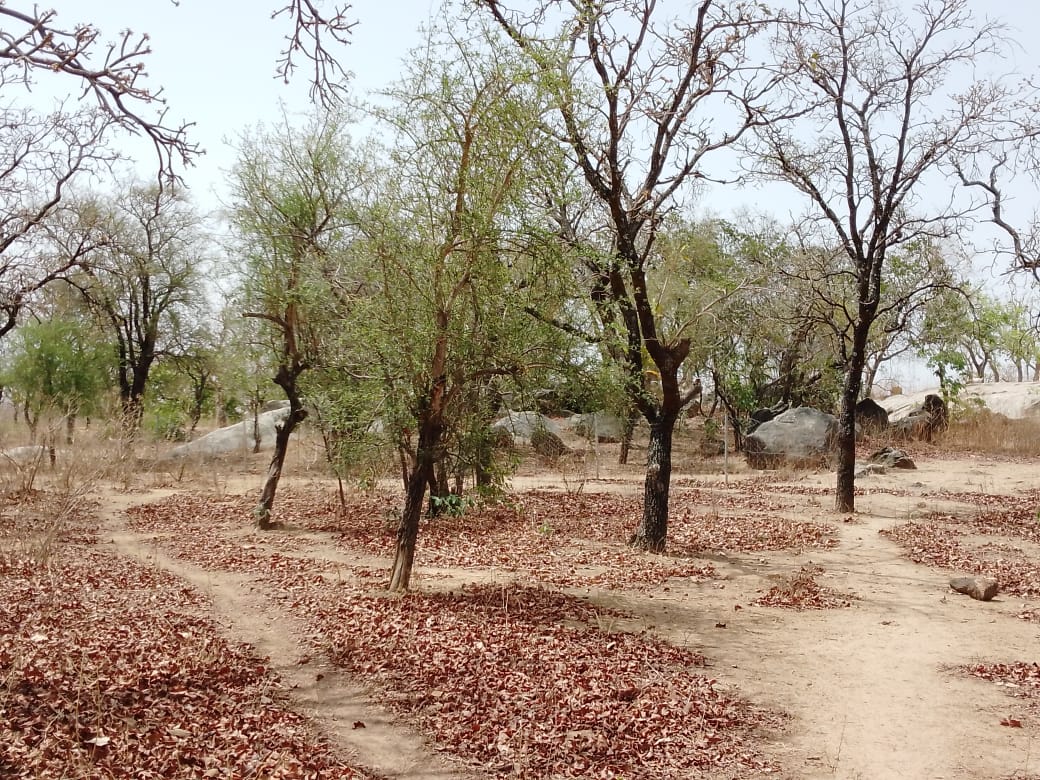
641, 104
1021, 342
59, 366
142, 280
445, 302
311, 31
783, 354
979, 328
918, 273
880, 116
290, 212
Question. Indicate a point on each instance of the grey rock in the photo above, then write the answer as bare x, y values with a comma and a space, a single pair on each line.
548, 444
979, 588
234, 438
765, 414
519, 426
799, 437
870, 469
871, 417
922, 424
605, 427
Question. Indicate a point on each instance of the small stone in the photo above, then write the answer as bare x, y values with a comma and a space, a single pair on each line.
979, 588
870, 469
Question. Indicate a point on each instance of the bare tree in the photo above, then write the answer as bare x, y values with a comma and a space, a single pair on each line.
32, 44
142, 280
642, 101
43, 153
888, 105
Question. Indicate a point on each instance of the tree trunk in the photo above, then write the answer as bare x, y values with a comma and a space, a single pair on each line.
297, 414
845, 490
438, 482
70, 428
652, 533
626, 435
256, 426
408, 529
221, 412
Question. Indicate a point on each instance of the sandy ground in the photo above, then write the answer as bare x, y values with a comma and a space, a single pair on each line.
867, 689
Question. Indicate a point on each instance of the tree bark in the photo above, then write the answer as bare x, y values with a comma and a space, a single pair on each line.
652, 533
845, 489
631, 419
408, 529
297, 414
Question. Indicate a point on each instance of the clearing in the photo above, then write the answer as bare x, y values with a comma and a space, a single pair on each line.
151, 632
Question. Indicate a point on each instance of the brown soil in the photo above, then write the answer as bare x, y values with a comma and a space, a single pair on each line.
868, 689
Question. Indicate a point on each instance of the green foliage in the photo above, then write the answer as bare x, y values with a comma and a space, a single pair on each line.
60, 365
951, 368
169, 403
452, 505
439, 328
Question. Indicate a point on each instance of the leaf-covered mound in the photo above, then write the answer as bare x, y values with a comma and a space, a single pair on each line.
524, 681
106, 670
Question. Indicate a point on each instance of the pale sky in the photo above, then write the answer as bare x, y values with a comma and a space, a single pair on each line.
215, 59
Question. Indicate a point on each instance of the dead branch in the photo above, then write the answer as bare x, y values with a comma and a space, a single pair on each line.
111, 74
310, 38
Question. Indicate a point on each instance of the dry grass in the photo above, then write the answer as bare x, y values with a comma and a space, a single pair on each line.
986, 432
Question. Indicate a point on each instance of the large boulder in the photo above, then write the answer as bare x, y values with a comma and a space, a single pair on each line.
765, 414
933, 417
871, 417
234, 438
799, 437
890, 457
602, 426
548, 444
517, 427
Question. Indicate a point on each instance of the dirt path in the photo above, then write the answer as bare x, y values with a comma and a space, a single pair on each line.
317, 689
865, 686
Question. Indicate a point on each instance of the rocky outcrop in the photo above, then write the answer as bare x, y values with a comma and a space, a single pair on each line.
239, 437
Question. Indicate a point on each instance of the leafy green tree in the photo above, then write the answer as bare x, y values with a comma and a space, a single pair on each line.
444, 305
1021, 342
59, 366
291, 217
